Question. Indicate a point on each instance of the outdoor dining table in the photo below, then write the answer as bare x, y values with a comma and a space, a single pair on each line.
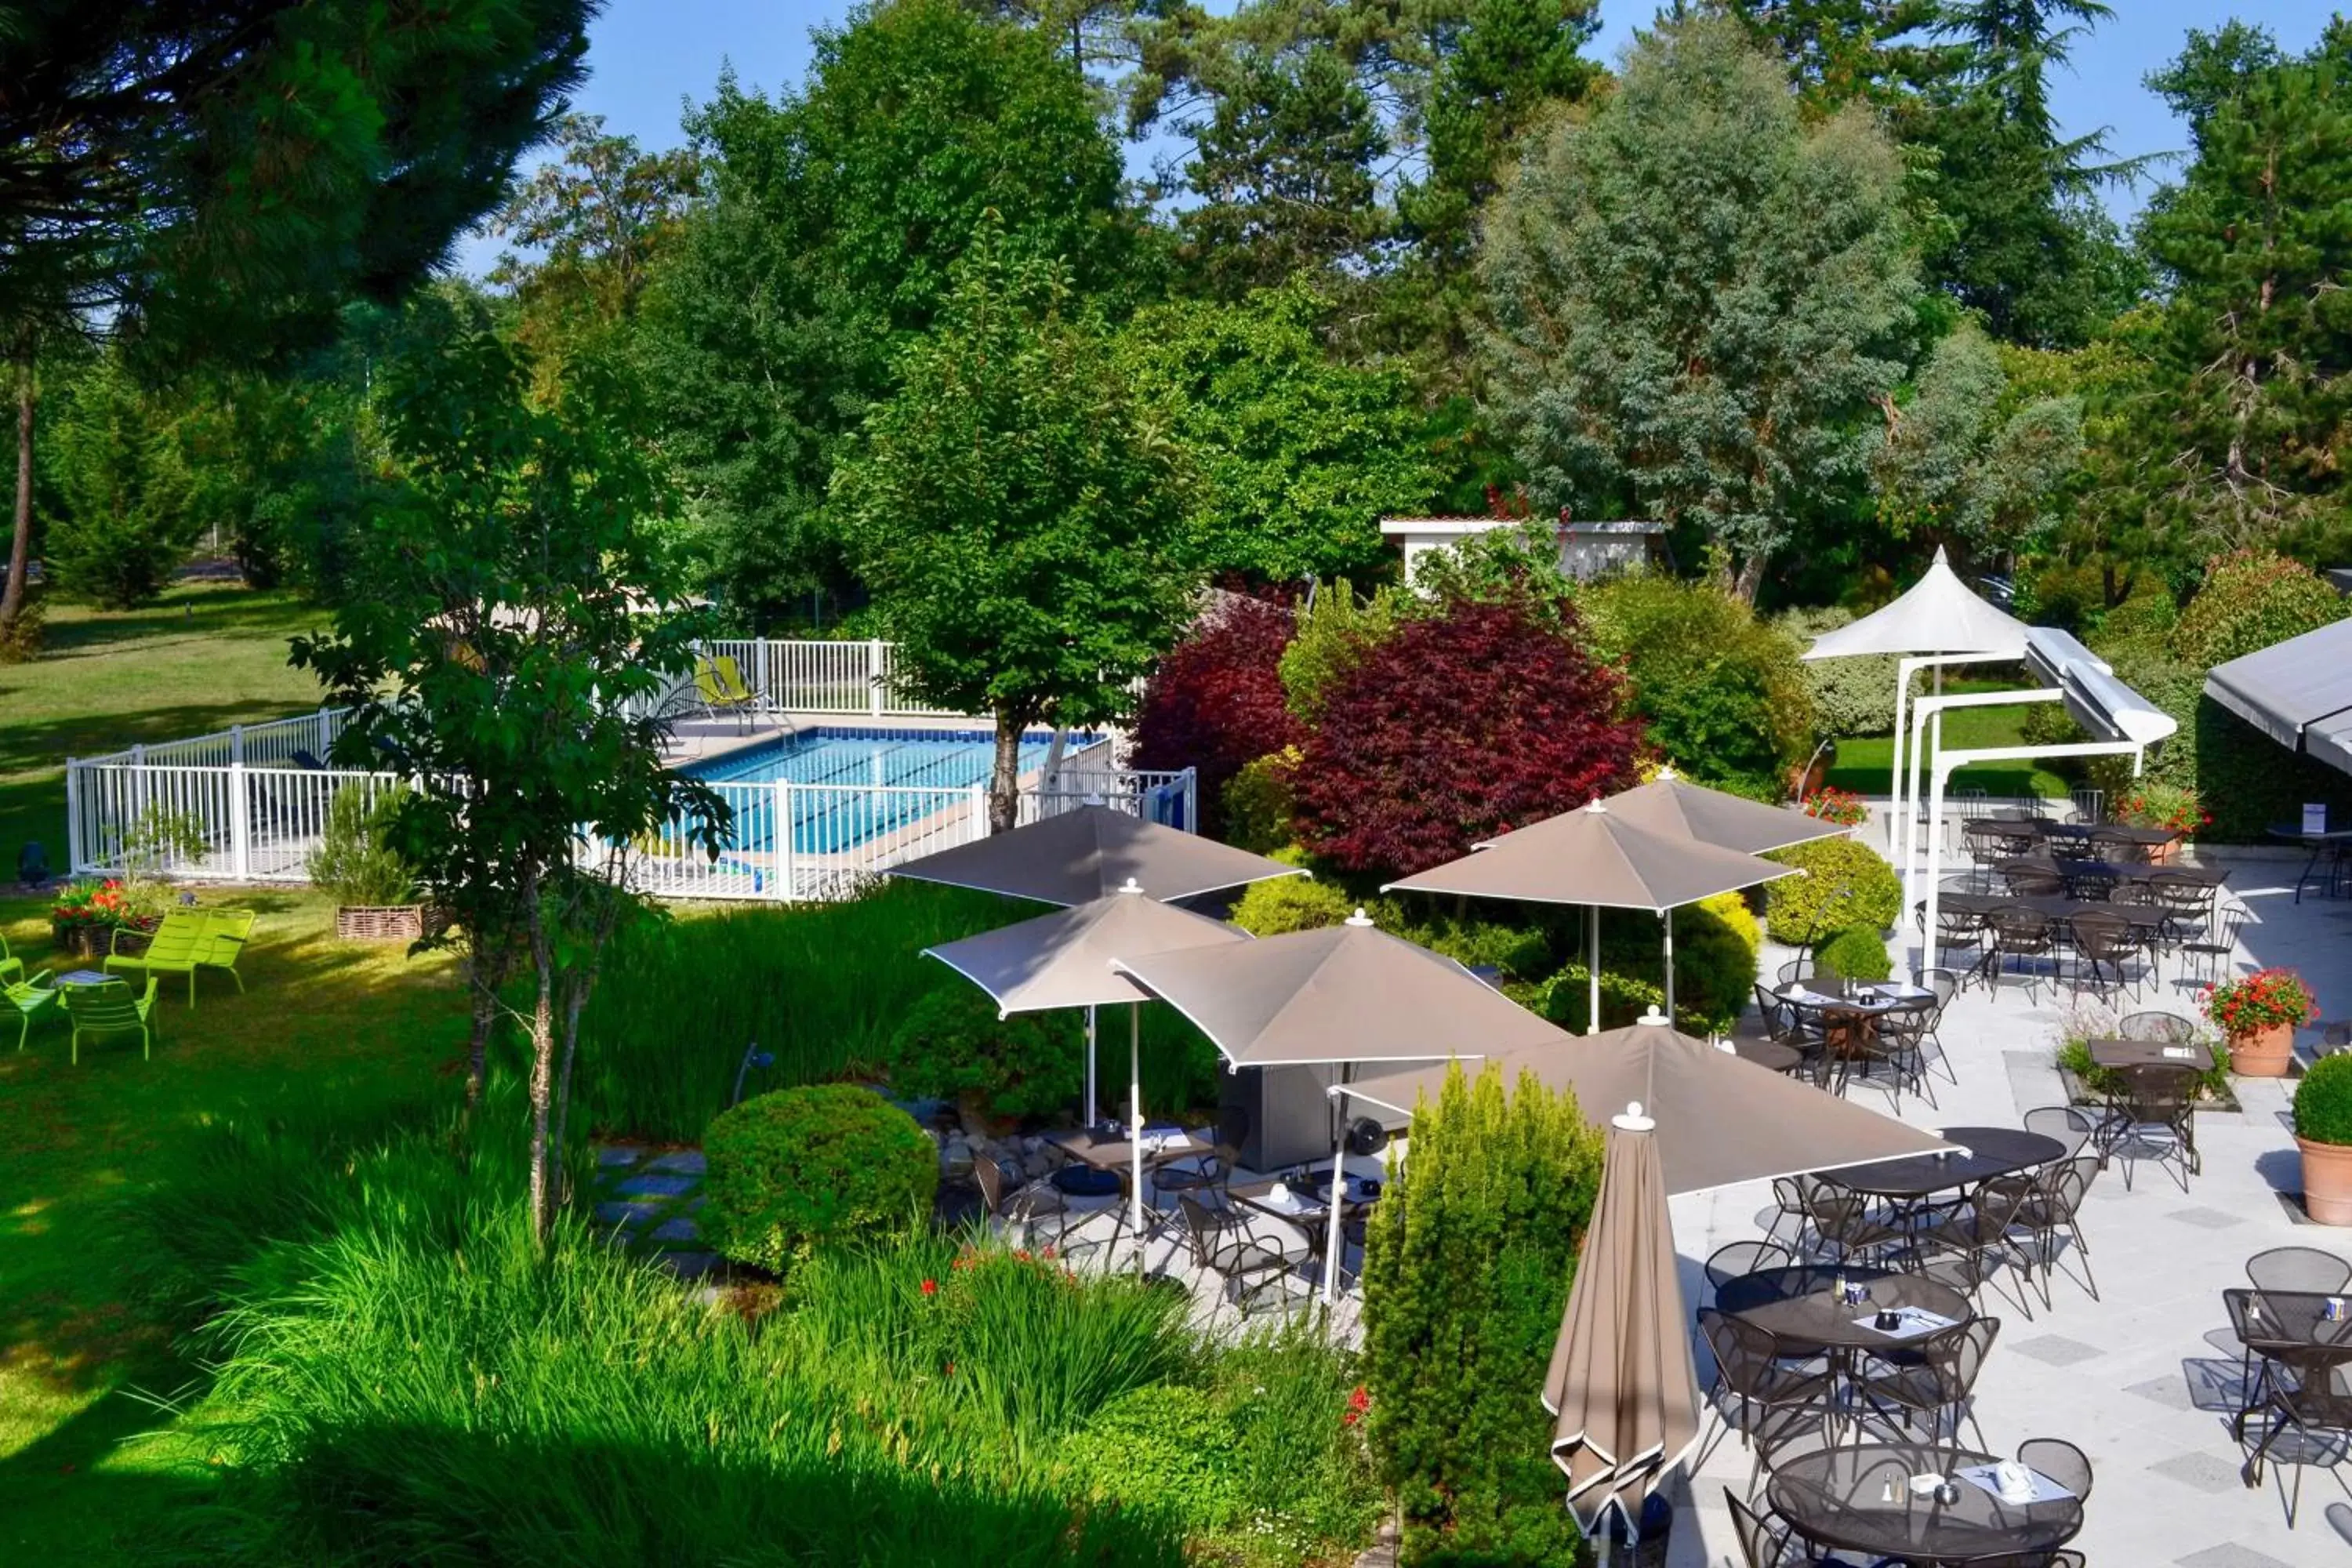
1303, 1201
1860, 1499
1992, 1153
1101, 1151
2146, 837
2113, 1053
1850, 1023
2139, 917
2288, 1331
1802, 1306
2333, 846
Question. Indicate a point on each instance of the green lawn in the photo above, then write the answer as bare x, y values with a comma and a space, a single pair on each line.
205, 657
1867, 766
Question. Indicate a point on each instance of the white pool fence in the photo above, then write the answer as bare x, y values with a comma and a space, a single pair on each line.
249, 804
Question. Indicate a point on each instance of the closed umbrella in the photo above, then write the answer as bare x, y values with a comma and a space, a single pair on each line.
1344, 993
1596, 858
1077, 857
1064, 960
1621, 1389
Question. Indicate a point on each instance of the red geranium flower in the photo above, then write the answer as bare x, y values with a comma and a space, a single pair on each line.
930, 1287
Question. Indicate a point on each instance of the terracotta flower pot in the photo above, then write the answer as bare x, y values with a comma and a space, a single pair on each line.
2266, 1052
2326, 1182
2163, 854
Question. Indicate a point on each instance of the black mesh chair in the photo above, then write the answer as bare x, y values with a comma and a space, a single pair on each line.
2031, 878
1750, 1371
1960, 931
1209, 1174
2152, 1115
2052, 1209
2020, 933
1846, 1224
2104, 948
2305, 1270
1249, 1265
1763, 1537
1931, 1379
2163, 1029
1963, 1247
1729, 1263
1039, 1209
2115, 848
2317, 1412
2208, 956
1896, 1051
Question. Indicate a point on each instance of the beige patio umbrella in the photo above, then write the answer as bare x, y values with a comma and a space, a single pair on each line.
1622, 1390
1345, 993
1064, 960
1077, 857
1677, 807
1596, 858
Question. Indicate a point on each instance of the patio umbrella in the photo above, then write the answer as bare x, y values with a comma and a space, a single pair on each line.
1596, 858
1063, 959
1344, 993
1677, 807
1938, 615
1622, 1390
1077, 857
1721, 1120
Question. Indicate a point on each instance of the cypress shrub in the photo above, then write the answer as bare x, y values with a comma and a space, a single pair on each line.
1467, 1269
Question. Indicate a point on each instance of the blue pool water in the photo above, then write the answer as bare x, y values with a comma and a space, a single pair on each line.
855, 760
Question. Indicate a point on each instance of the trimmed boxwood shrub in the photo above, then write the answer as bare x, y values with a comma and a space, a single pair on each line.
1846, 883
1284, 904
2323, 1101
791, 1171
1857, 953
953, 1046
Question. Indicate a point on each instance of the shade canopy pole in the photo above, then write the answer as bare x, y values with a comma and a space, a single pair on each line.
1670, 966
1135, 1117
1592, 1010
1331, 1242
1092, 1120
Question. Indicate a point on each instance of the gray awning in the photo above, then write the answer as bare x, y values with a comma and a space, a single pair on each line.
2298, 693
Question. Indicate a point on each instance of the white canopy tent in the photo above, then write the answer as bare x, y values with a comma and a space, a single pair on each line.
1940, 620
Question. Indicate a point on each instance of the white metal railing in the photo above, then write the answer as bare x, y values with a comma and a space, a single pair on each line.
231, 824
793, 676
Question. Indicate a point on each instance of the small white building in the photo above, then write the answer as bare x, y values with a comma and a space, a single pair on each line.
1587, 549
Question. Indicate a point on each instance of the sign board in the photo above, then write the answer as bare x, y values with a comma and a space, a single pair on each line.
2314, 817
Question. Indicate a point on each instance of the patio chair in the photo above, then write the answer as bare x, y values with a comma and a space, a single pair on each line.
2152, 1114
2090, 804
2064, 1122
1900, 1045
2115, 848
1814, 974
2163, 1029
2104, 946
1728, 1263
31, 998
1787, 1205
719, 688
103, 1010
1943, 985
1963, 1246
2054, 1205
1750, 1371
2318, 1411
1846, 1224
1962, 931
187, 940
2020, 933
1763, 1537
2208, 956
1930, 1378
1208, 1172
1246, 1263
2027, 879
1031, 1206
2304, 1270
9, 964
2187, 902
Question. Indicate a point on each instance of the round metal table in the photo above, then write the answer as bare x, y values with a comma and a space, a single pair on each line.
1992, 1152
1801, 1305
1860, 1499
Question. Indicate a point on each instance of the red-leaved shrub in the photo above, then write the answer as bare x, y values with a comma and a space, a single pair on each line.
1216, 700
1455, 728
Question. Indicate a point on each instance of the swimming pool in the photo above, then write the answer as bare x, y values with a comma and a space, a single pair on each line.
862, 782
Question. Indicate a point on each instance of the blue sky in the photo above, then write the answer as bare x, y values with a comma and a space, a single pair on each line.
649, 56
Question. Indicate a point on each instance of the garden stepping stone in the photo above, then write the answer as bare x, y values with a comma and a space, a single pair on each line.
650, 1199
649, 1185
679, 1163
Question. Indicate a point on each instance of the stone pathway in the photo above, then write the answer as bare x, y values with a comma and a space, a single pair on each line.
649, 1197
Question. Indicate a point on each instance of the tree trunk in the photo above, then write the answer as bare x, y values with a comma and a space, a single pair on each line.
20, 538
1750, 578
1005, 779
486, 1019
543, 1072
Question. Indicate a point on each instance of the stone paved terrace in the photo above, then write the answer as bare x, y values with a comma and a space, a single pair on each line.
2140, 1378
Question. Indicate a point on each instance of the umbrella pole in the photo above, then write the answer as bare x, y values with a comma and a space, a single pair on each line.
1090, 1064
1592, 1007
1135, 1117
1338, 1192
1670, 968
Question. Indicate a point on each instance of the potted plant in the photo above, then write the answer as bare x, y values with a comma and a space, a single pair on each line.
374, 885
2259, 1012
1842, 806
87, 913
2323, 1131
2172, 807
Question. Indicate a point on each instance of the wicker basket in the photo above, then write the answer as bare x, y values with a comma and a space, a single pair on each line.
380, 923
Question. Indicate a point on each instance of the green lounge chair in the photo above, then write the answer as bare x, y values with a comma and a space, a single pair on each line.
190, 939
112, 1010
9, 965
31, 998
719, 685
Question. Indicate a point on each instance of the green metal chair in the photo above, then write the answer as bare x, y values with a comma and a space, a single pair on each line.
101, 1010
9, 965
187, 940
31, 998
